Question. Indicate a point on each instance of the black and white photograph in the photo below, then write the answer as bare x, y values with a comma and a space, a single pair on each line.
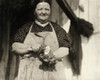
49, 40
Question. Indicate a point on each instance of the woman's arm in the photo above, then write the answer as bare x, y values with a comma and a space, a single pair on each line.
61, 52
21, 48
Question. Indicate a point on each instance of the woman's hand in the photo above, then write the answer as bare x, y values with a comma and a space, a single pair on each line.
61, 52
35, 47
47, 56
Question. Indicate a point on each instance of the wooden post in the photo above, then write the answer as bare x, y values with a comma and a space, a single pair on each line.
4, 46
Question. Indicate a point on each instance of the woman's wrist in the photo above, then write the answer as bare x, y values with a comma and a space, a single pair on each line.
57, 58
30, 48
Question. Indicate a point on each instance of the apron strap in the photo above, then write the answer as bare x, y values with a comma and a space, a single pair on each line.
31, 28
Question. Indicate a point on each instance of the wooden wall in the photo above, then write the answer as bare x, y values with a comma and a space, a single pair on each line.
58, 15
91, 47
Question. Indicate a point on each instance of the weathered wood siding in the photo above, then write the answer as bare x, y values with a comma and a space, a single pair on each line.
91, 46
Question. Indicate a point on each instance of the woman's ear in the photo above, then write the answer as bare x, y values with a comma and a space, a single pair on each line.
34, 14
33, 11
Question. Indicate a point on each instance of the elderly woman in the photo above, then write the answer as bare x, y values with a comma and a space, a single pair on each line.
41, 44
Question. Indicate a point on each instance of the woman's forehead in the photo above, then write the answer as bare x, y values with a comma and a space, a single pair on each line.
43, 4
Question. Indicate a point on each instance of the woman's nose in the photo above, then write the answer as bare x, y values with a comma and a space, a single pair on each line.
43, 11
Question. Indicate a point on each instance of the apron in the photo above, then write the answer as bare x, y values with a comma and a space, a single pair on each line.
29, 66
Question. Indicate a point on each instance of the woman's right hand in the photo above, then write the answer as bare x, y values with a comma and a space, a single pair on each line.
35, 47
21, 48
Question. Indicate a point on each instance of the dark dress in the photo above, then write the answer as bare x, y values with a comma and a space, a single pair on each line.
62, 37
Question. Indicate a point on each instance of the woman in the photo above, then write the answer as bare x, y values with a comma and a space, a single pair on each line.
42, 45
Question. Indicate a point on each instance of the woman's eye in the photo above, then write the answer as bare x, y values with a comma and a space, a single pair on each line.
47, 9
40, 9
44, 9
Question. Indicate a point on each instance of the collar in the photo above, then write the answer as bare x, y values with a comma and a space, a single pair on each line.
38, 28
42, 25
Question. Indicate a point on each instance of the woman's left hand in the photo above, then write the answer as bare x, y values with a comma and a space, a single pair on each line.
61, 52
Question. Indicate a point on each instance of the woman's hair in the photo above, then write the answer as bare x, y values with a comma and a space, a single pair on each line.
38, 1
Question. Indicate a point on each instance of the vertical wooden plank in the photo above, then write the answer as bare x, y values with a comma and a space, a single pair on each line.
93, 13
5, 47
97, 41
55, 12
90, 68
4, 38
74, 6
94, 18
58, 15
98, 15
84, 4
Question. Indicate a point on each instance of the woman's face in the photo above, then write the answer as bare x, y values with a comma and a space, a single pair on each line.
42, 12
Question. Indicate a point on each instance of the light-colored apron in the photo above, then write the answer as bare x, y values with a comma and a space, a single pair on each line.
29, 66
